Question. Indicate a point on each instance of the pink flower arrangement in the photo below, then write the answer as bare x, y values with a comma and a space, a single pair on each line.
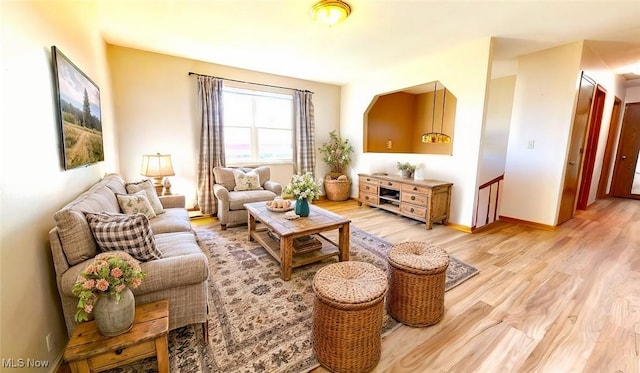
110, 273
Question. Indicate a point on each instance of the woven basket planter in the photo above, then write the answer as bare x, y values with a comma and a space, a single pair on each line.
337, 190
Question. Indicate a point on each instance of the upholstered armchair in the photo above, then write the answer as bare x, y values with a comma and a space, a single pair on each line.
236, 186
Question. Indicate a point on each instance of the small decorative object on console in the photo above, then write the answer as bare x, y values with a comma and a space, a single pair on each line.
406, 169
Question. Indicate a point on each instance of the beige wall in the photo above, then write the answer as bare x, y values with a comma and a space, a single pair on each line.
33, 184
156, 110
496, 133
468, 81
543, 105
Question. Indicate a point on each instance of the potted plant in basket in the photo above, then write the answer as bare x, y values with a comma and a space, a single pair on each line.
336, 153
406, 169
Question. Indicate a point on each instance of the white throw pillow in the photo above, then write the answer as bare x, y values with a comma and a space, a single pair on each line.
148, 187
136, 203
248, 181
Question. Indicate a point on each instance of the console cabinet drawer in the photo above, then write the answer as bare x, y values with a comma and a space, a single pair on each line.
368, 198
413, 211
368, 188
390, 184
369, 180
416, 199
416, 189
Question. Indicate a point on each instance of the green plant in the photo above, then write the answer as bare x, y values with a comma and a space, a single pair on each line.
336, 153
302, 187
406, 166
109, 274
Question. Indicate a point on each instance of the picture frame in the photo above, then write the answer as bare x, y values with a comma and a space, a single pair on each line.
79, 113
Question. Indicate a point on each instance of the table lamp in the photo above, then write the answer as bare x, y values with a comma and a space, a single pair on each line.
158, 166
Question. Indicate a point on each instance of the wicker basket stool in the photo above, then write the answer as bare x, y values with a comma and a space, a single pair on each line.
417, 280
347, 316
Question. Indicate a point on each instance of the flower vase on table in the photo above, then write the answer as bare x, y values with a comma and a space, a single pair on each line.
303, 188
302, 207
104, 289
114, 315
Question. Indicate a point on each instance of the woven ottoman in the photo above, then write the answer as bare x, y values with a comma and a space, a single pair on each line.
417, 280
347, 316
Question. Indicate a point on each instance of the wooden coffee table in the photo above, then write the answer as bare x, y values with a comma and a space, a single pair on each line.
277, 235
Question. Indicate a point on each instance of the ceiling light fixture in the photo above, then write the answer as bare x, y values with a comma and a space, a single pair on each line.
330, 12
437, 137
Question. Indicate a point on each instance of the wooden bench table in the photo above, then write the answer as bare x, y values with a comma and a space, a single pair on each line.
90, 351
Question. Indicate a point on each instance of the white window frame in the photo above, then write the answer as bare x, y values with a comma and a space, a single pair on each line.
265, 92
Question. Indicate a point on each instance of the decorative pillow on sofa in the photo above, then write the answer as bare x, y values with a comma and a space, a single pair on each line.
148, 187
129, 233
248, 181
136, 203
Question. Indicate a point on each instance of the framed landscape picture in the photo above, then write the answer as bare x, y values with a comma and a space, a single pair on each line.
78, 100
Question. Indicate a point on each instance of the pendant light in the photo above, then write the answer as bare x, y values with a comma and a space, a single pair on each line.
330, 12
437, 137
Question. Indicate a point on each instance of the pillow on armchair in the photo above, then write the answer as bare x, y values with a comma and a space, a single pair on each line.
236, 186
246, 181
225, 176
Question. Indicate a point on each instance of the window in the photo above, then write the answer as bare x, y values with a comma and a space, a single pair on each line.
258, 126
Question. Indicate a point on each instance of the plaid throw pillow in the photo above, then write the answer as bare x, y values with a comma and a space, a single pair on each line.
129, 233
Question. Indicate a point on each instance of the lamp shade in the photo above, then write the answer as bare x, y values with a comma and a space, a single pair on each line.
156, 165
330, 12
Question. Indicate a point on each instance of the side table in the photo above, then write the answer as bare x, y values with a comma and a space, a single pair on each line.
90, 351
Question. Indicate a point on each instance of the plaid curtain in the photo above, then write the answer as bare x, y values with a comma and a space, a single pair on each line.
211, 140
304, 152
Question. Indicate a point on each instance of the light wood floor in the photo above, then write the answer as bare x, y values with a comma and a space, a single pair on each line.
562, 301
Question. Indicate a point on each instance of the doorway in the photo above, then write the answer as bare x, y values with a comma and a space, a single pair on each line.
614, 126
595, 122
626, 171
576, 149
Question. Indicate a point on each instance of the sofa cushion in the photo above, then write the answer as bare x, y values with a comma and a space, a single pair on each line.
173, 220
76, 237
238, 199
183, 263
136, 203
246, 181
224, 175
115, 183
129, 233
152, 195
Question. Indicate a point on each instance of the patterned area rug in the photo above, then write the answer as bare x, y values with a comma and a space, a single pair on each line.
257, 322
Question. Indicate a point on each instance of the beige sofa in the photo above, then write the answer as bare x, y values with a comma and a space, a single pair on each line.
180, 276
231, 209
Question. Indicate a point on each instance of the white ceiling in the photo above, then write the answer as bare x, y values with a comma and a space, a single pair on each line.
279, 37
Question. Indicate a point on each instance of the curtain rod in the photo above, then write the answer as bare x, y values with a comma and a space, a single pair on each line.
243, 81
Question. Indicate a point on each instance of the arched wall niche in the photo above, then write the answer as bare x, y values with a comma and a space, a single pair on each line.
394, 122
